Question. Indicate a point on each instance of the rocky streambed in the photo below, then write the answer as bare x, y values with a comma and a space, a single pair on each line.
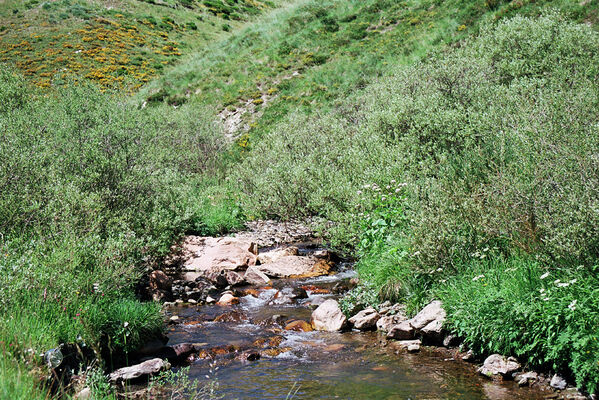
260, 317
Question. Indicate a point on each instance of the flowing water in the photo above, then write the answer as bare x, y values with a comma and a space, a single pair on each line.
319, 365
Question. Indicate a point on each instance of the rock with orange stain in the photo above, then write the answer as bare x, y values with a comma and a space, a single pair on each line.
299, 326
227, 299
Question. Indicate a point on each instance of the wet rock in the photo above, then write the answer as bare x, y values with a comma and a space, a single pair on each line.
433, 331
365, 319
527, 378
233, 316
217, 277
275, 255
254, 276
139, 371
210, 300
406, 345
468, 356
227, 299
386, 322
558, 383
413, 348
402, 331
298, 326
174, 319
433, 312
316, 301
226, 253
248, 356
340, 288
497, 365
328, 317
160, 281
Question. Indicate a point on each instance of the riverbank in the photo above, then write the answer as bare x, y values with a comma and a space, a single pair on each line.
257, 335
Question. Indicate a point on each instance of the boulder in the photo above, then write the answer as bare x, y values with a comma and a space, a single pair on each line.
402, 331
386, 322
328, 317
226, 253
139, 371
84, 394
433, 331
234, 279
296, 267
254, 276
160, 281
365, 319
432, 312
558, 383
275, 255
227, 299
497, 365
287, 295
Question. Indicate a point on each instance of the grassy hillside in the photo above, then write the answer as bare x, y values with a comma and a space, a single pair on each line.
311, 54
119, 44
443, 139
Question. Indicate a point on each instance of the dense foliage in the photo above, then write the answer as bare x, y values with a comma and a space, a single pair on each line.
495, 146
92, 190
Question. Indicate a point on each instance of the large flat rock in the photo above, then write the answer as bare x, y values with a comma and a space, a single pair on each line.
296, 267
217, 254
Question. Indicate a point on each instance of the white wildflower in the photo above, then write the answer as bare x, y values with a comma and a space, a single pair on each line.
572, 305
573, 281
477, 278
359, 192
545, 275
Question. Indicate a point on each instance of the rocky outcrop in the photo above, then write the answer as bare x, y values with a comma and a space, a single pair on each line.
365, 319
139, 371
497, 365
328, 317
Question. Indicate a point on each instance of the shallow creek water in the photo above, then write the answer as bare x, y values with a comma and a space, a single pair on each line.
350, 365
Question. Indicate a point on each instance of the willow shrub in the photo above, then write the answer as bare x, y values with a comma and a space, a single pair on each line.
92, 190
497, 141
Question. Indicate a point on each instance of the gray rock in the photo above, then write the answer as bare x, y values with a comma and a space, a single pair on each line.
498, 365
328, 317
143, 370
527, 378
432, 312
558, 383
468, 356
406, 344
413, 348
254, 276
402, 331
451, 341
386, 322
365, 319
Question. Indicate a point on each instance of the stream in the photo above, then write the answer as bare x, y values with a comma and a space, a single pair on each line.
317, 365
